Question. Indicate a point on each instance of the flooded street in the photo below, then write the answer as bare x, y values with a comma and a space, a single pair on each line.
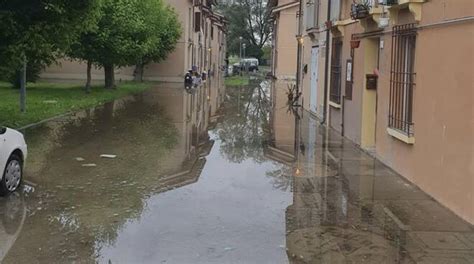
227, 176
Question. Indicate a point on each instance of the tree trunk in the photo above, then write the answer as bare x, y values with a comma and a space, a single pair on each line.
109, 76
89, 77
139, 69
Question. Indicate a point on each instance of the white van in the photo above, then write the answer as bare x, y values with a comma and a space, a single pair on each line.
250, 64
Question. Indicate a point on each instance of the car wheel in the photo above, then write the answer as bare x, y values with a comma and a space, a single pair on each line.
12, 175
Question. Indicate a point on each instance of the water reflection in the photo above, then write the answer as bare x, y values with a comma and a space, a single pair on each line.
161, 141
245, 129
12, 217
253, 180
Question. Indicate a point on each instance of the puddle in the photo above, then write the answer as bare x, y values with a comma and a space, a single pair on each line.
190, 179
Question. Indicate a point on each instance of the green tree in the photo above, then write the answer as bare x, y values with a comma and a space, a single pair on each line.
164, 32
40, 31
249, 19
128, 32
267, 54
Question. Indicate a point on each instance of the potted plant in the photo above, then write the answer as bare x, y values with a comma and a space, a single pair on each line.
360, 10
355, 43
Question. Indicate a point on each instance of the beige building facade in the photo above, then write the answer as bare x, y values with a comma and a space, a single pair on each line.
202, 44
398, 83
284, 45
314, 39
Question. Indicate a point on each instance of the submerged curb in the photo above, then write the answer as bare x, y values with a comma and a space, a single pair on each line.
49, 119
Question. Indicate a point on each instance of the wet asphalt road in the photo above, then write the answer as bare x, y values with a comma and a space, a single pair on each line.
234, 176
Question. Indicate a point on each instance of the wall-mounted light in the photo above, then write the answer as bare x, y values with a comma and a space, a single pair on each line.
300, 40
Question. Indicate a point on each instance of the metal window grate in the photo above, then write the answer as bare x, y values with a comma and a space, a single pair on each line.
402, 78
335, 88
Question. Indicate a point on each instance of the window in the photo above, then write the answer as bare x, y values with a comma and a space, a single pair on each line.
335, 90
191, 24
335, 10
197, 22
312, 14
402, 79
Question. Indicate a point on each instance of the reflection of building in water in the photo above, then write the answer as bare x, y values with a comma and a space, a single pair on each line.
189, 113
281, 146
323, 221
216, 97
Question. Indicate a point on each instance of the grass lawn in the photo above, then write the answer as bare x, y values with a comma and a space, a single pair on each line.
46, 100
237, 80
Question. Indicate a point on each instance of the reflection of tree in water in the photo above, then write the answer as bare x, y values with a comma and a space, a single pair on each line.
245, 129
84, 208
281, 177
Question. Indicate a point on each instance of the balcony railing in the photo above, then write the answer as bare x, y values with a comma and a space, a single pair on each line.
390, 2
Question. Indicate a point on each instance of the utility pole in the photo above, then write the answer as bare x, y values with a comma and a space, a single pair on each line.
23, 86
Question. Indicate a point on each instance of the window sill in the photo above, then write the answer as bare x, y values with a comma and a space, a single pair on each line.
410, 140
312, 29
344, 22
335, 105
340, 26
403, 2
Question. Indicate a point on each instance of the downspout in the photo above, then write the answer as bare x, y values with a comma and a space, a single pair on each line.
298, 59
326, 66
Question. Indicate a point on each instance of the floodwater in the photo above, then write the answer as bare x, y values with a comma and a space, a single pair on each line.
216, 176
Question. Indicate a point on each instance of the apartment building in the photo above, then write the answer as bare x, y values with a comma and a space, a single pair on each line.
202, 44
398, 82
284, 45
314, 43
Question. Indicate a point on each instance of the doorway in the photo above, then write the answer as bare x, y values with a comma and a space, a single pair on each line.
369, 94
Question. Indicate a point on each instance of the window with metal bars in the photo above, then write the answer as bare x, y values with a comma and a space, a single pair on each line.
402, 79
335, 88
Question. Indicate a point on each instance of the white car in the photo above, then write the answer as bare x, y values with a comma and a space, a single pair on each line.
13, 152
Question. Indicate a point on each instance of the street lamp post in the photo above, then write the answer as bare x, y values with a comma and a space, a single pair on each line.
240, 56
245, 63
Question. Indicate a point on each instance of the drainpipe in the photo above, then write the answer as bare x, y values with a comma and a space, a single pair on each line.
326, 66
298, 59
